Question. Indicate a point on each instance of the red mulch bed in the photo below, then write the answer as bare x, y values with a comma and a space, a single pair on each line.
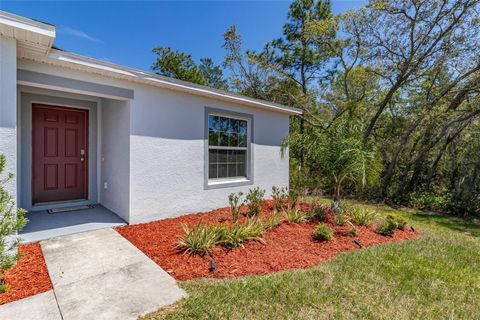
29, 276
289, 246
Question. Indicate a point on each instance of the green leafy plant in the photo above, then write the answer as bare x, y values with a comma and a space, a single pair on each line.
273, 220
236, 202
238, 233
201, 239
254, 199
401, 223
386, 227
295, 215
293, 197
361, 215
4, 287
280, 198
322, 232
436, 202
340, 219
12, 220
319, 211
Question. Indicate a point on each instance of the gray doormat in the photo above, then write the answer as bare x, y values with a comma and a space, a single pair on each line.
59, 210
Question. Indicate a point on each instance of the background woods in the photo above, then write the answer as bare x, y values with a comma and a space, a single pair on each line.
390, 94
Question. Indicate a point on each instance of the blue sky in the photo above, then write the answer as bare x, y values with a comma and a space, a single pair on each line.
125, 32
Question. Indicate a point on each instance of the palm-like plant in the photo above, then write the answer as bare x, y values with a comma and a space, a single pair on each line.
339, 155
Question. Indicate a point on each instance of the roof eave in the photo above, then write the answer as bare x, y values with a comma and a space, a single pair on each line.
127, 73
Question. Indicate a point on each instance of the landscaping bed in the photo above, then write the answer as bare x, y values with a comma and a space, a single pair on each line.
288, 246
29, 276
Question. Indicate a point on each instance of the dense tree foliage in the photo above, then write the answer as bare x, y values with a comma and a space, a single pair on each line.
179, 65
395, 83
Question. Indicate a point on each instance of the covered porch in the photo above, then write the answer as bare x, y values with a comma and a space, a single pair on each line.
44, 225
73, 153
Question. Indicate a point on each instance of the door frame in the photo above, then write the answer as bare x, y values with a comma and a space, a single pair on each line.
86, 111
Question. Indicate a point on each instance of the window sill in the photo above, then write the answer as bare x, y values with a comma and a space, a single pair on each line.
227, 183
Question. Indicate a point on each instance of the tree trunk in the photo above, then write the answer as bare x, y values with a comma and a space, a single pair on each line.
393, 163
336, 209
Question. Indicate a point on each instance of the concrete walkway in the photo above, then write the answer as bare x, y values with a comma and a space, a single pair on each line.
97, 275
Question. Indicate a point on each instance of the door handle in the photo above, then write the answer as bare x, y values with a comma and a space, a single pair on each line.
82, 159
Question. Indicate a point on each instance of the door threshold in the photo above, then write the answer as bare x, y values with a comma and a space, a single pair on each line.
60, 204
70, 209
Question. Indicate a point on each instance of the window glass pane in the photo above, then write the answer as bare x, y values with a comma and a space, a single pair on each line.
227, 133
224, 124
222, 156
212, 156
232, 156
233, 142
213, 137
222, 170
242, 140
242, 127
213, 123
232, 170
223, 141
233, 125
241, 156
212, 171
241, 172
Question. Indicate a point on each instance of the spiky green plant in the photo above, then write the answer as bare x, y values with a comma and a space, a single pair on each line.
273, 220
12, 220
201, 239
295, 215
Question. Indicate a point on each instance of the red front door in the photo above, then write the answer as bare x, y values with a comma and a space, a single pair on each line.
59, 153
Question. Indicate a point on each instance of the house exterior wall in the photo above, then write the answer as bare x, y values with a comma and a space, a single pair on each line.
168, 154
164, 170
115, 157
8, 108
27, 97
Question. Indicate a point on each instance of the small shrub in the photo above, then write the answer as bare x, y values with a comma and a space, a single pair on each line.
401, 223
239, 232
4, 287
273, 221
280, 198
361, 215
436, 202
295, 215
386, 227
322, 232
12, 220
319, 211
199, 240
254, 199
340, 219
235, 201
293, 197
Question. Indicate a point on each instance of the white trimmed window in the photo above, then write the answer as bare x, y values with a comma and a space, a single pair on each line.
228, 147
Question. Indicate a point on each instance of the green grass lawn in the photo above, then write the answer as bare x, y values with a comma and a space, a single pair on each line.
435, 276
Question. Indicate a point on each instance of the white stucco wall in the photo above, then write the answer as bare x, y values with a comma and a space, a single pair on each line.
8, 108
167, 154
115, 157
164, 172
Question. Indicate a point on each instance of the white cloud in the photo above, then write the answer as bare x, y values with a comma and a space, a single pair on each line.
77, 33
